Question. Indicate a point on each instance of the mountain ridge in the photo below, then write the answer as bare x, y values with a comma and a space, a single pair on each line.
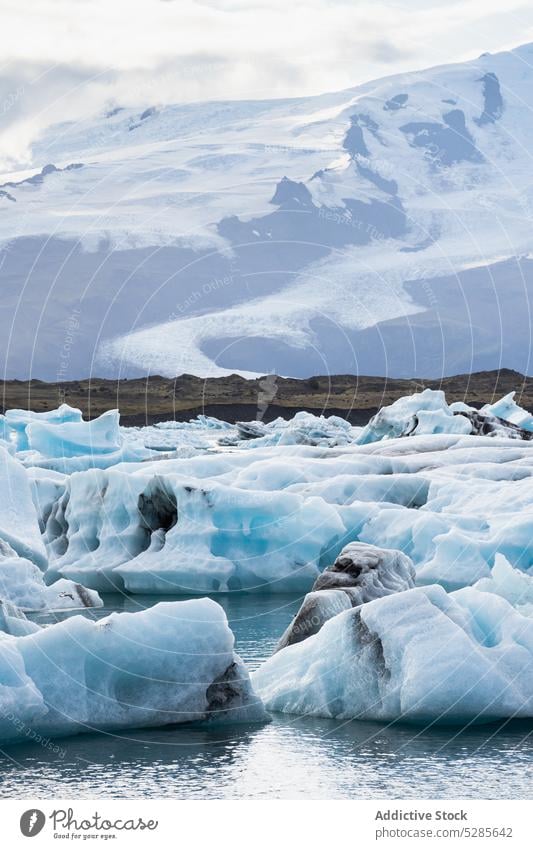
234, 398
384, 229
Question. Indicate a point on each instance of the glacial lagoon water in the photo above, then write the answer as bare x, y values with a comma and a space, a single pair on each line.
291, 758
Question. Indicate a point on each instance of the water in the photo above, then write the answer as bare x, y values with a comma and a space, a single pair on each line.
292, 757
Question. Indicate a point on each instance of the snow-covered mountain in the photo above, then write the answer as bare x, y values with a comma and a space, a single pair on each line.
385, 229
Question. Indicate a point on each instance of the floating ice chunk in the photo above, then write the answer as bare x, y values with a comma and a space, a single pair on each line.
509, 583
440, 421
460, 407
428, 413
18, 421
316, 609
227, 539
169, 664
5, 431
130, 453
22, 584
302, 429
75, 438
368, 571
360, 573
418, 656
77, 446
493, 426
21, 702
47, 486
14, 622
251, 430
18, 519
171, 532
459, 559
420, 413
211, 422
507, 408
194, 436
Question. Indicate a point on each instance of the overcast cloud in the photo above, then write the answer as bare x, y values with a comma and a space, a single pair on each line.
67, 59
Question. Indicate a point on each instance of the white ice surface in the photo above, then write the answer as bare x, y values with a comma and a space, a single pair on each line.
166, 177
417, 656
156, 667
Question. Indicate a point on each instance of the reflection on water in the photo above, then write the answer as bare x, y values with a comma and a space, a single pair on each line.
292, 757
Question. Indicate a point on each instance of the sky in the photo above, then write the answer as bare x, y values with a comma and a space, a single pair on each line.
71, 59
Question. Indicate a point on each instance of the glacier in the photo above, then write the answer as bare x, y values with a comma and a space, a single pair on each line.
416, 220
171, 664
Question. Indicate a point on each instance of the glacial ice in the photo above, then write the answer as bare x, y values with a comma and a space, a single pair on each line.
507, 408
23, 557
172, 530
274, 518
172, 663
361, 573
303, 429
75, 438
422, 412
512, 584
73, 446
304, 506
19, 420
13, 621
205, 513
18, 520
22, 584
422, 655
428, 413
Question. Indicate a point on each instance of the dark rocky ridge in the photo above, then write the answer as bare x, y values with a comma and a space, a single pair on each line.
233, 398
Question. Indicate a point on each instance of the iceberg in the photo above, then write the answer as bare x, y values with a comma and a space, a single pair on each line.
150, 532
422, 412
18, 520
172, 663
19, 420
13, 621
428, 413
23, 557
273, 519
507, 408
72, 446
422, 656
303, 429
74, 438
360, 573
22, 584
269, 513
509, 583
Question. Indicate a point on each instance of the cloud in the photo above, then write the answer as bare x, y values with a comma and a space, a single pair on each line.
388, 53
64, 60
